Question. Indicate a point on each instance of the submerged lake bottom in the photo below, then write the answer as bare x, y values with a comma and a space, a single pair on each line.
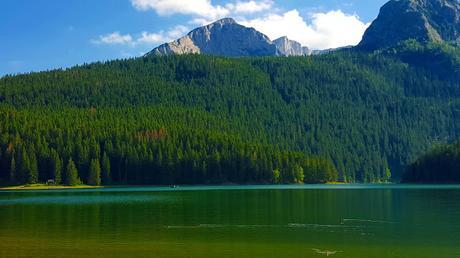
233, 221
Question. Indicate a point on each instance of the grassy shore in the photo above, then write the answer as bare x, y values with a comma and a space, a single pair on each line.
47, 187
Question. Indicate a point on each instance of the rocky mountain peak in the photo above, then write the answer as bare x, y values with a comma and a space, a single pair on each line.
226, 37
287, 47
225, 21
422, 20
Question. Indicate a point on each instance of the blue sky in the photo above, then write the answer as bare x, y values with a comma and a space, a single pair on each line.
37, 35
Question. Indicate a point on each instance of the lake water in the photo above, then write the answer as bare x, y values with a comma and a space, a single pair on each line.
368, 221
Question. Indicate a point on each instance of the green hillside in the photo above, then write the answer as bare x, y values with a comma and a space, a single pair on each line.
440, 165
201, 119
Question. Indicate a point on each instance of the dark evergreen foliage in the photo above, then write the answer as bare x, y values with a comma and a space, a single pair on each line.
71, 174
198, 119
146, 146
441, 165
94, 177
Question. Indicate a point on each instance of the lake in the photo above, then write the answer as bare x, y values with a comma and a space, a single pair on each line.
248, 221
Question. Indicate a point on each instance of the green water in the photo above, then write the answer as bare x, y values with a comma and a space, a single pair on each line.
271, 221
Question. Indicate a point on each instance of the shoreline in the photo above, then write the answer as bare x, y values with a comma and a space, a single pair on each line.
47, 187
66, 187
185, 187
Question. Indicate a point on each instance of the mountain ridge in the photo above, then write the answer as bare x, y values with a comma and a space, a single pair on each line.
226, 37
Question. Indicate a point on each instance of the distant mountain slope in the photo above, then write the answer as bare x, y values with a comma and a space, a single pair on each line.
422, 20
225, 37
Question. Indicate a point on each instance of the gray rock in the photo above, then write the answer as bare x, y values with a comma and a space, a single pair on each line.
422, 20
288, 47
223, 38
228, 38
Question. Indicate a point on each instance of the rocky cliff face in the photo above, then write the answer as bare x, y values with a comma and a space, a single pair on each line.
288, 47
224, 38
422, 20
228, 38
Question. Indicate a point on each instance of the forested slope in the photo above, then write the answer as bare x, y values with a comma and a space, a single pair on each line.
251, 119
440, 165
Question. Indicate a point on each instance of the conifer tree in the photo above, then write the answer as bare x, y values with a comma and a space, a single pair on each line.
94, 177
106, 173
71, 174
56, 167
32, 169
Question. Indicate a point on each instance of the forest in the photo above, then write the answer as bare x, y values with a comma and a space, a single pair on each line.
142, 146
345, 116
439, 165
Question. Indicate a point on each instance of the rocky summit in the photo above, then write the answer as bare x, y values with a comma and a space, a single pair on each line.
224, 38
422, 20
228, 38
288, 47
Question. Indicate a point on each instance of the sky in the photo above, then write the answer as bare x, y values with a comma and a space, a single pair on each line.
37, 35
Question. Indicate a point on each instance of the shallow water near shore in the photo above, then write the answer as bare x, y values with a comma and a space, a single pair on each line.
233, 221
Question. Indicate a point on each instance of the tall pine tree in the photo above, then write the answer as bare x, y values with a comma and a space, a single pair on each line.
32, 169
56, 167
94, 177
71, 174
106, 175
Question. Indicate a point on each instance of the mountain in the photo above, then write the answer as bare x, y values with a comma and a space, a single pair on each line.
223, 38
287, 47
422, 20
226, 37
168, 118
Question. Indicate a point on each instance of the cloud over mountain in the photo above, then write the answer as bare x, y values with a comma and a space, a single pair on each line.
326, 30
319, 30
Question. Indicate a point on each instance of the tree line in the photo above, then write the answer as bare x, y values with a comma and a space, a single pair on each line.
102, 147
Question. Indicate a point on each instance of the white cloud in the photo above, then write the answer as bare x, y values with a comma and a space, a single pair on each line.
114, 38
177, 32
249, 7
162, 37
145, 37
202, 9
201, 21
326, 30
151, 38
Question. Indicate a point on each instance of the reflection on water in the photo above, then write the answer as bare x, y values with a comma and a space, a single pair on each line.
296, 221
80, 199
